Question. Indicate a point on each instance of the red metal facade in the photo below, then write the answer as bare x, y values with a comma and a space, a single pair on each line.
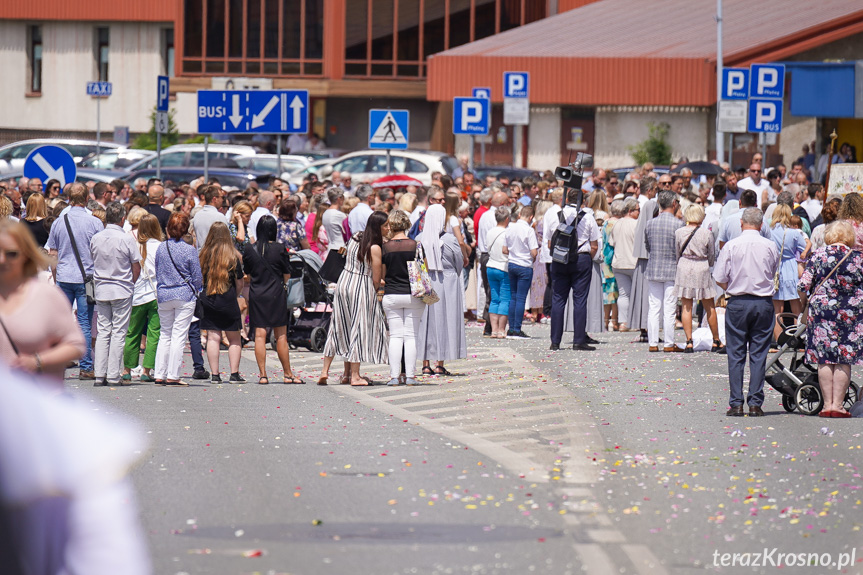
91, 10
668, 59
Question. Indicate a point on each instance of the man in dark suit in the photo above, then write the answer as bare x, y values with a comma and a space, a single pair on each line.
156, 194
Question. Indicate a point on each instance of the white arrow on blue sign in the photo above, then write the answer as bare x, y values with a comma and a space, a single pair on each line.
253, 111
471, 116
735, 83
51, 163
516, 84
101, 89
765, 115
767, 81
162, 93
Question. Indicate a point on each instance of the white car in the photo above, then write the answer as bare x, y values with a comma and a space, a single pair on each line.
192, 155
321, 168
12, 156
269, 162
369, 165
116, 159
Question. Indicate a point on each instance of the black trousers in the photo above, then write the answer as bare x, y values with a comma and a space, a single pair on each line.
574, 278
483, 270
546, 299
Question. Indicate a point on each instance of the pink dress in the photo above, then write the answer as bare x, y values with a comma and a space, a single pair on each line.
313, 241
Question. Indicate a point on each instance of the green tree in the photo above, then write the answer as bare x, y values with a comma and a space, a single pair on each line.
655, 148
147, 140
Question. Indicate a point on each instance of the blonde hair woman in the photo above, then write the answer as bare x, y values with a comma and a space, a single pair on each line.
790, 242
695, 254
6, 208
240, 216
408, 203
37, 211
134, 218
222, 270
40, 332
145, 309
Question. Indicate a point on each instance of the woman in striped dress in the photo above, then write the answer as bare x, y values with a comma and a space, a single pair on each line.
358, 330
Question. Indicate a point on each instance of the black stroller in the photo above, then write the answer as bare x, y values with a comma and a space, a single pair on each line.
310, 328
795, 379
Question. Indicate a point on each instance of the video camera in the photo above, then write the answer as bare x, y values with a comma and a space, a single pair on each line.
573, 174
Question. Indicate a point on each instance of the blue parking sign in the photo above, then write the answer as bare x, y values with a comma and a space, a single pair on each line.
471, 116
735, 83
516, 84
767, 81
765, 115
162, 93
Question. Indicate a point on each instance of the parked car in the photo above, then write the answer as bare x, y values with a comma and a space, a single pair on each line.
228, 177
368, 165
481, 172
192, 155
321, 168
269, 162
83, 175
12, 156
116, 159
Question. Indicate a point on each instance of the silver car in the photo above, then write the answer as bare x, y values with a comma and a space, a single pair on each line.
12, 156
369, 165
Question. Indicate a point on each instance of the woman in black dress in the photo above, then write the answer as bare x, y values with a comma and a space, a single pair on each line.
222, 269
268, 267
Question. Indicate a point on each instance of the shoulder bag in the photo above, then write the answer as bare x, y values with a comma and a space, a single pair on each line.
779, 269
199, 296
689, 239
9, 337
334, 265
89, 282
421, 286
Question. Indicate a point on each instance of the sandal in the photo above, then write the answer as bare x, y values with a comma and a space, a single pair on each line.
427, 370
441, 370
322, 380
688, 348
293, 379
344, 380
263, 380
717, 347
146, 378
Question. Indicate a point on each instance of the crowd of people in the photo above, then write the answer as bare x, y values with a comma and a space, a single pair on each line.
158, 264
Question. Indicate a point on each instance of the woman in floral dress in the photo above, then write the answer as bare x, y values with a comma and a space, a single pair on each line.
290, 231
609, 283
835, 333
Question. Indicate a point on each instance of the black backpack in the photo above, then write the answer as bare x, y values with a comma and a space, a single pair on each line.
564, 240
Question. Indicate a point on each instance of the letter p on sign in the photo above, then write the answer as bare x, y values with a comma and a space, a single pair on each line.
471, 112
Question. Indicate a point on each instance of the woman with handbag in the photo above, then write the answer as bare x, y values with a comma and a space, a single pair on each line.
790, 242
222, 270
39, 332
358, 330
178, 283
268, 267
441, 336
145, 308
695, 257
835, 333
403, 310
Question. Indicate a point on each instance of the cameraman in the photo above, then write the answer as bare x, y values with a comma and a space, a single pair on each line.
574, 275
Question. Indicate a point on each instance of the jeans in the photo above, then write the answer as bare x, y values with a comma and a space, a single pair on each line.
113, 325
174, 317
574, 278
483, 270
661, 295
624, 293
75, 293
748, 324
519, 284
195, 347
145, 317
404, 313
498, 284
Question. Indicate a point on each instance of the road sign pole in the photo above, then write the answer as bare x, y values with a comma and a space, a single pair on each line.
98, 125
278, 156
764, 151
206, 160
482, 151
720, 137
472, 151
158, 156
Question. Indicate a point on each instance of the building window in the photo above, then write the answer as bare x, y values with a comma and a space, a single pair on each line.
35, 59
103, 39
168, 52
253, 37
393, 38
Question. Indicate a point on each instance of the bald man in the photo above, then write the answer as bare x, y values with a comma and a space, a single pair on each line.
156, 194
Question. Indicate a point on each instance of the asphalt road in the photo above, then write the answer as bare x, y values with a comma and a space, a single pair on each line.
525, 461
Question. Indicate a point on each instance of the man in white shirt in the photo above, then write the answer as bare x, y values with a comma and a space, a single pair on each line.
208, 215
549, 224
266, 201
813, 205
486, 224
522, 247
422, 195
359, 216
573, 277
754, 181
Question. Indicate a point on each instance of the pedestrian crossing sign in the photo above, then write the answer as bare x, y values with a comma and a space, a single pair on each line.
388, 129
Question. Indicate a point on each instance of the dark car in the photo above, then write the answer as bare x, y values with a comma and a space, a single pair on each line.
227, 177
504, 171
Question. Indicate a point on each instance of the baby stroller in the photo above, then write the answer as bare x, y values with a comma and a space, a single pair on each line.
797, 381
310, 328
